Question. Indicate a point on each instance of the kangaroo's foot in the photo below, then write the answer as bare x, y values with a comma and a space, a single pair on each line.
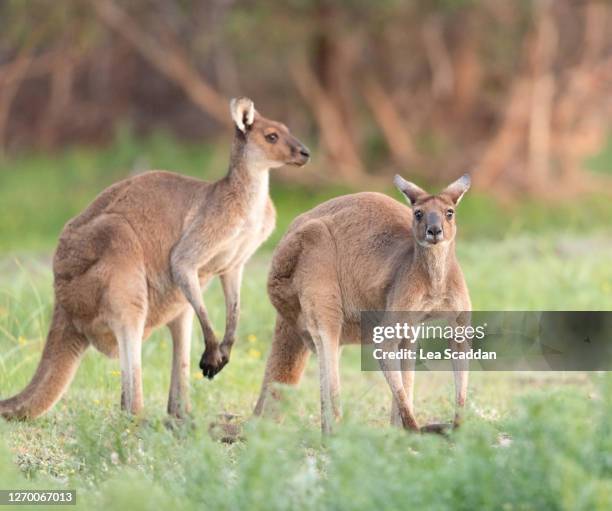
212, 361
227, 429
439, 428
177, 424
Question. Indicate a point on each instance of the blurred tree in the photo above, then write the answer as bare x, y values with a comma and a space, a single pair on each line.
518, 91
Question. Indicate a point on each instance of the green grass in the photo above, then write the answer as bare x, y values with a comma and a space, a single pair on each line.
602, 162
558, 456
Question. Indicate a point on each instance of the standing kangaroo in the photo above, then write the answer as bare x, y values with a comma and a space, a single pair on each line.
363, 252
138, 257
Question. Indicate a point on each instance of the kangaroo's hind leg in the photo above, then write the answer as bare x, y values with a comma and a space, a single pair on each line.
408, 376
461, 368
125, 308
181, 327
321, 313
326, 338
129, 340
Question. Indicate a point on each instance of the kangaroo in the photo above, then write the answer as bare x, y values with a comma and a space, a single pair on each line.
363, 252
138, 257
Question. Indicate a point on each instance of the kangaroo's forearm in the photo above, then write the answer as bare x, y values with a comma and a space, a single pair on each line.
231, 282
187, 281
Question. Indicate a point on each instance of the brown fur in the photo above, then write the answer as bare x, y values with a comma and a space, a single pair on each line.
354, 253
137, 257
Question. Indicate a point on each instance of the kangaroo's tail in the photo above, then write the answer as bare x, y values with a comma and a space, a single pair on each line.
59, 362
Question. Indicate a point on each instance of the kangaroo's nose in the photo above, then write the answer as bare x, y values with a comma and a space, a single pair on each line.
434, 230
305, 152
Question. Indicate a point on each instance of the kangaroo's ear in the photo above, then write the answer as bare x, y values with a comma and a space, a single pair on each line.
457, 189
410, 190
243, 112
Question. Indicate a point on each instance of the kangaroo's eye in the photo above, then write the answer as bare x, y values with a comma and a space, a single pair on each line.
449, 213
272, 138
418, 214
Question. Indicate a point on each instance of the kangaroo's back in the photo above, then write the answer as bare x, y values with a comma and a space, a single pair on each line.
369, 234
153, 204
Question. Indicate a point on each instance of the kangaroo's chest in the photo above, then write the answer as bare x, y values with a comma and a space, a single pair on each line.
246, 237
438, 300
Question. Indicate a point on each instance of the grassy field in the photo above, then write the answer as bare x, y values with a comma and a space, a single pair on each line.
530, 441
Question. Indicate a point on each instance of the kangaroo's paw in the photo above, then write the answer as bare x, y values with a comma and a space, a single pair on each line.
226, 429
439, 428
213, 360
